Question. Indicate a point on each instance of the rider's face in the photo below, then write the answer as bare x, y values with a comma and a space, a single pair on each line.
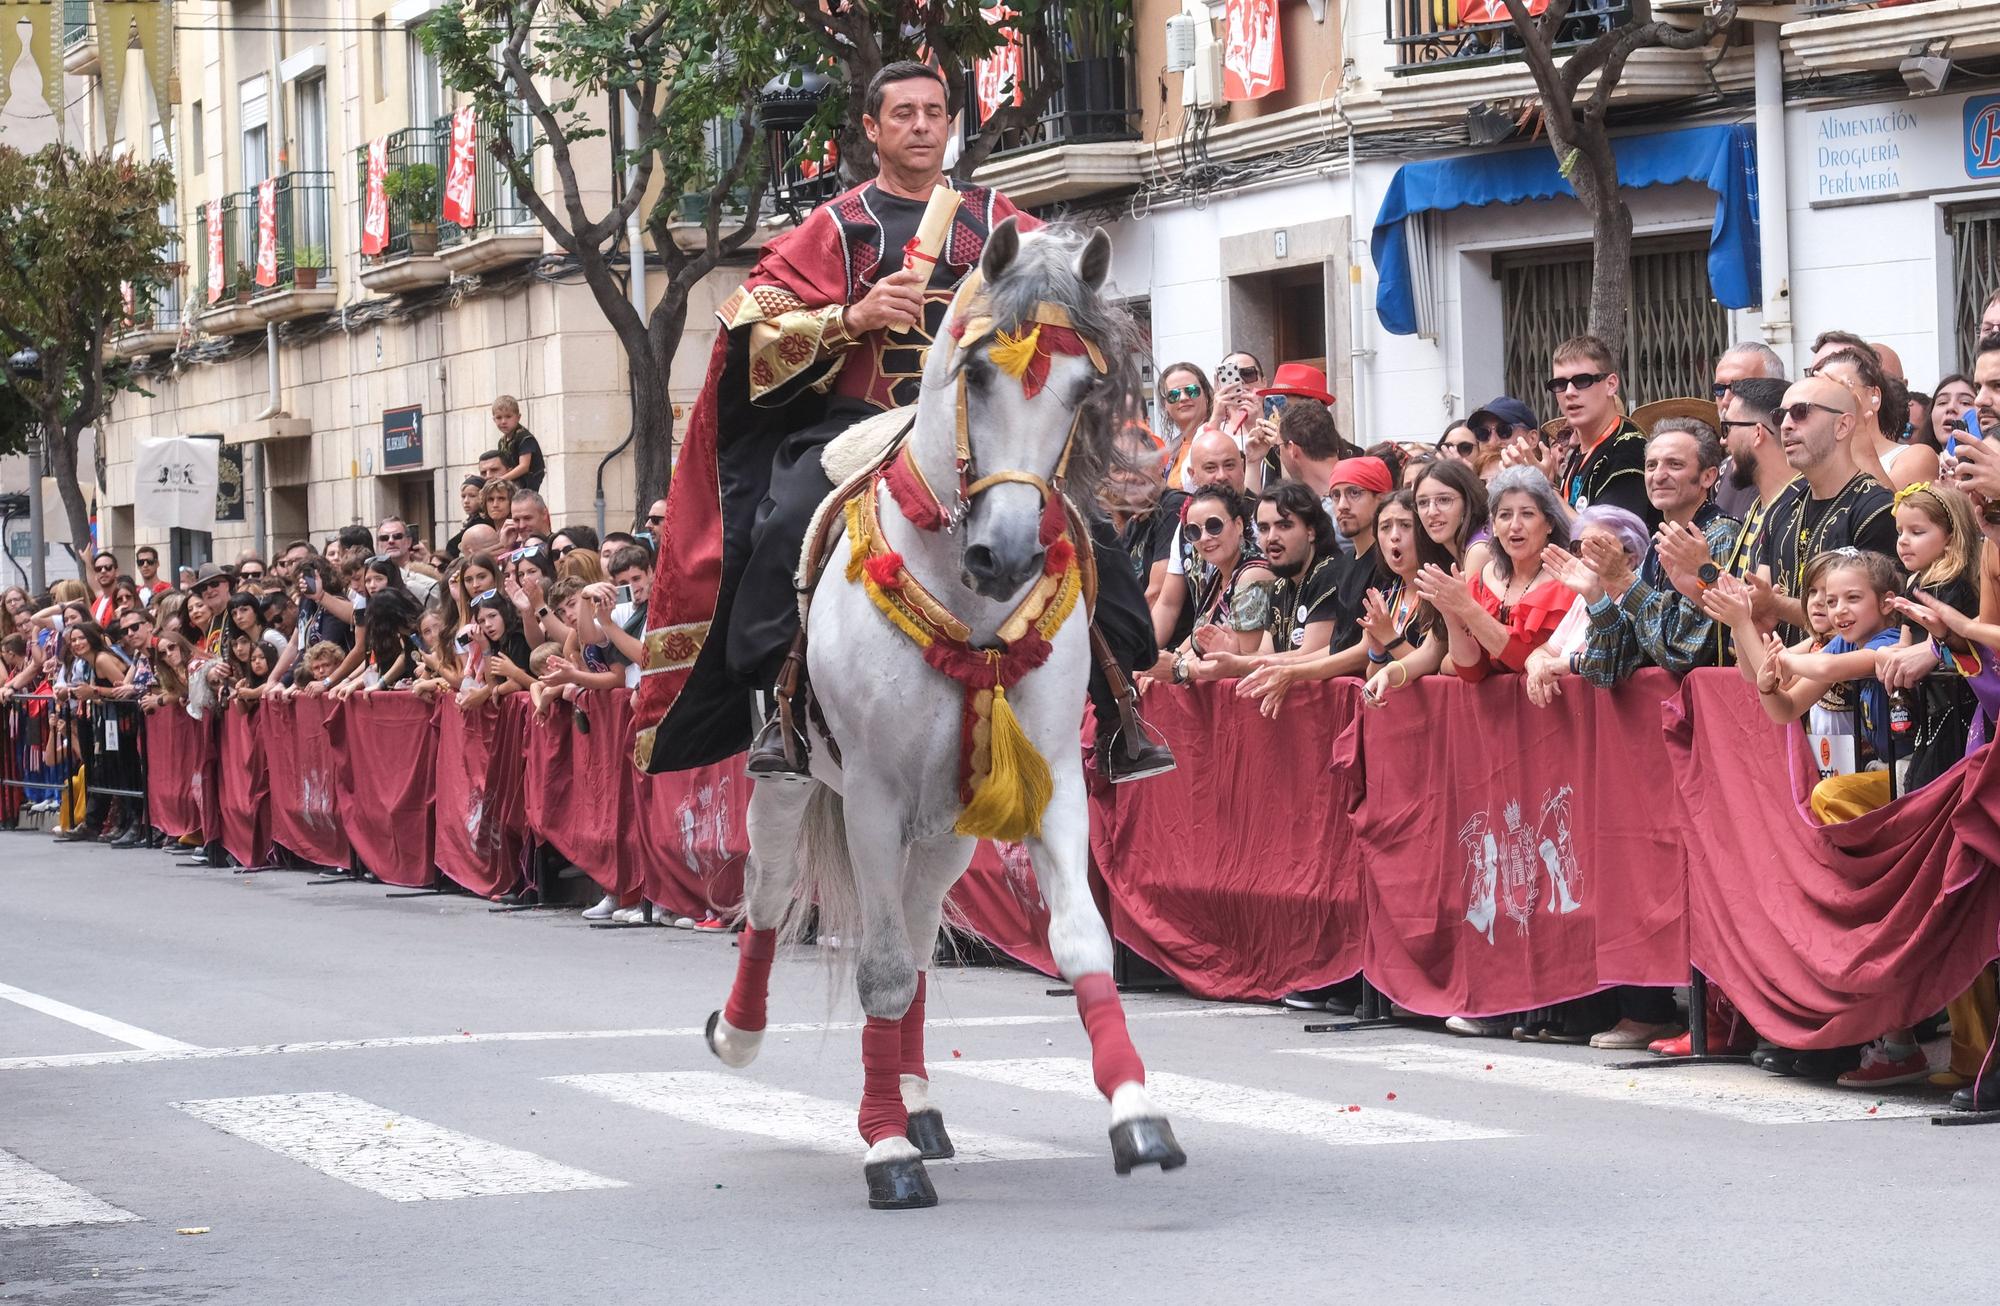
910, 133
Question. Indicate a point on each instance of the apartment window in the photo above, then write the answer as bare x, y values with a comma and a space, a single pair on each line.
309, 95
254, 115
378, 40
1975, 243
197, 151
426, 83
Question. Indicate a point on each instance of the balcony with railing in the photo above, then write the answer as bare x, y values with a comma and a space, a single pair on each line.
79, 38
224, 298
1853, 36
1080, 143
154, 324
1434, 35
302, 286
412, 184
503, 230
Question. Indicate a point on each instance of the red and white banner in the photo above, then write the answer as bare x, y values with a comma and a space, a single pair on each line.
375, 202
131, 306
1471, 12
217, 275
997, 78
461, 202
1253, 52
267, 233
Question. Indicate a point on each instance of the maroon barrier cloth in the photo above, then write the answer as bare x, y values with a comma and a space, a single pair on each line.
582, 791
386, 783
1470, 795
1235, 872
693, 837
1827, 935
300, 763
481, 834
999, 900
246, 818
176, 754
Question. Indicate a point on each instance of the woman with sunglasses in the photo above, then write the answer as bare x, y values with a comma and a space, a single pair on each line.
1226, 604
497, 652
1185, 402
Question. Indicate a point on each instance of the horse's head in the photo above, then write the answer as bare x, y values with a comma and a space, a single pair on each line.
1038, 358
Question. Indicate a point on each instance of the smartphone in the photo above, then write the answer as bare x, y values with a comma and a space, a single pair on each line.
309, 583
624, 593
1968, 422
1228, 374
1274, 404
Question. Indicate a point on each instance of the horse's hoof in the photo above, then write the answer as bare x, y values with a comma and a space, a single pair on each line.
734, 1047
1148, 1140
899, 1184
927, 1132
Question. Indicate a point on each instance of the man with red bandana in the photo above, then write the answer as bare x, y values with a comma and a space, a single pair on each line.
829, 329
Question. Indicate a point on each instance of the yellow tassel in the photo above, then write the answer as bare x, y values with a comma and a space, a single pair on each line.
1013, 354
1009, 806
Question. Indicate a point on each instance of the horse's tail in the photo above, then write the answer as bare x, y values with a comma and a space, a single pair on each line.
826, 878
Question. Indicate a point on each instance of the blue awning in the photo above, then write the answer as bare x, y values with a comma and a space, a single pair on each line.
1724, 159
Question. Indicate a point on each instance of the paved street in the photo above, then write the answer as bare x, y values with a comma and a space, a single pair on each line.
361, 1099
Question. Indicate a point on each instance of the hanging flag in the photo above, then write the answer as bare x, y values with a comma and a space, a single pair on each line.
1472, 12
125, 293
1253, 52
375, 205
461, 203
828, 160
42, 43
174, 482
267, 232
216, 273
997, 78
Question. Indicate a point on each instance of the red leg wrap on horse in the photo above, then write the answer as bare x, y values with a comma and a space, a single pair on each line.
883, 1114
913, 1033
754, 951
1112, 1057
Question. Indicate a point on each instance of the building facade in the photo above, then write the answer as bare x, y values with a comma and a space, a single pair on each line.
1357, 186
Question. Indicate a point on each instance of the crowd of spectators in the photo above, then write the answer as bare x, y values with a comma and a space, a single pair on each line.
1835, 537
508, 605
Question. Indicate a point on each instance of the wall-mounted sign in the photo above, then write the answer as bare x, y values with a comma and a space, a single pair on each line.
1982, 136
403, 437
229, 483
1901, 149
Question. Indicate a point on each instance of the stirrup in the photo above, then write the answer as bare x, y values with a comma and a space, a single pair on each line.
1131, 751
780, 750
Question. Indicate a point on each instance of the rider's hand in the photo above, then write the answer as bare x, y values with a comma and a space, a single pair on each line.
896, 301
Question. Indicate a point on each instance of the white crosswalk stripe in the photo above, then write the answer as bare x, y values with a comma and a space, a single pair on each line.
1733, 1092
1183, 1096
384, 1152
744, 1106
35, 1199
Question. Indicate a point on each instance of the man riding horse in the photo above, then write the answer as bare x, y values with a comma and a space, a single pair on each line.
830, 329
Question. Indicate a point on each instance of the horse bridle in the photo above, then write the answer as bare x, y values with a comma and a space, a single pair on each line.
970, 331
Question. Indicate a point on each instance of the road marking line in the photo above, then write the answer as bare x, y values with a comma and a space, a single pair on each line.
1233, 1104
143, 1039
35, 1199
1750, 1096
392, 1155
68, 1060
744, 1106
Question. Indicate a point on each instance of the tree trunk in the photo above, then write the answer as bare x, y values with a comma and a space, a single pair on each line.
59, 454
1611, 274
653, 412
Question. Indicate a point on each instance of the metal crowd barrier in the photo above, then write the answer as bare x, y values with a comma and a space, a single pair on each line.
46, 741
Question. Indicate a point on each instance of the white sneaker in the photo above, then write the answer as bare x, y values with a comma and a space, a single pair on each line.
629, 916
603, 910
1478, 1027
683, 922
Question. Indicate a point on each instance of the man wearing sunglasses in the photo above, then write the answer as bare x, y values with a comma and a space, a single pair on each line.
393, 537
104, 575
1747, 360
1833, 504
147, 560
1606, 463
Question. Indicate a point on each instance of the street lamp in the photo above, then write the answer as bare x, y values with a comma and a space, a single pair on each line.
785, 107
27, 366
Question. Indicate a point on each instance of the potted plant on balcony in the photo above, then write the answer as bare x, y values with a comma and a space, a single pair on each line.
1095, 76
245, 283
307, 260
413, 196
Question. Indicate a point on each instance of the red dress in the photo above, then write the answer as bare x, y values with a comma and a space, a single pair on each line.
1530, 622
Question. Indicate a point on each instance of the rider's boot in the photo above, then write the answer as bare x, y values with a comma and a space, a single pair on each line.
780, 752
1127, 748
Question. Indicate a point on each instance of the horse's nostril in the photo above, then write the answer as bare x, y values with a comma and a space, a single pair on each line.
979, 560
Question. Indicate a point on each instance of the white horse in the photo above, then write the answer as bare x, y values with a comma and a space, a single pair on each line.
873, 836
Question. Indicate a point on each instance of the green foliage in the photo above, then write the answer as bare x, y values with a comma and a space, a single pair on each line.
413, 192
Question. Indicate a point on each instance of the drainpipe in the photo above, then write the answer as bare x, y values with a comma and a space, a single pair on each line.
1774, 235
274, 158
1356, 249
635, 251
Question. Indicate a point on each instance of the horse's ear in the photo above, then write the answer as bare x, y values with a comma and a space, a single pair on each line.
1094, 263
1002, 244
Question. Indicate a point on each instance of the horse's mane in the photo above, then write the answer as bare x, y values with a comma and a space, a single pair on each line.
1045, 272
